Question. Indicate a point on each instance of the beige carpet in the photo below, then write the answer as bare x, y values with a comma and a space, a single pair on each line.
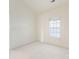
39, 51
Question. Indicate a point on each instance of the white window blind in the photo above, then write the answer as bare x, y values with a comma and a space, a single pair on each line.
54, 27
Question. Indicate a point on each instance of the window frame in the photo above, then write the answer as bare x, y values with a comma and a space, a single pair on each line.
54, 28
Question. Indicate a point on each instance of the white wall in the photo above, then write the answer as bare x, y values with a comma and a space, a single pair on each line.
22, 24
43, 19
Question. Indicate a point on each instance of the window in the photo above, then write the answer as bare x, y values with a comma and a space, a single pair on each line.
54, 27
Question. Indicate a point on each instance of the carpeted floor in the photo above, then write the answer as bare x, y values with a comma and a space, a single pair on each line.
39, 51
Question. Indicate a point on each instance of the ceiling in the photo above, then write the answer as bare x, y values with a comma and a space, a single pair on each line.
42, 5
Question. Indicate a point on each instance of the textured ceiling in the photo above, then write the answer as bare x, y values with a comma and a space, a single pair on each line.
42, 5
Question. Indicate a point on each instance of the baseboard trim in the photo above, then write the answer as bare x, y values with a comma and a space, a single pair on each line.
23, 45
54, 45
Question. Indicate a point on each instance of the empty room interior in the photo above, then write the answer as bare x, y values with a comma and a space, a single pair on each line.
39, 29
